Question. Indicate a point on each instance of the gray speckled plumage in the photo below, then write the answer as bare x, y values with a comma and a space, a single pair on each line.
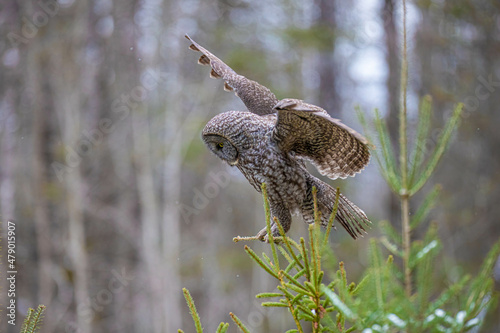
270, 142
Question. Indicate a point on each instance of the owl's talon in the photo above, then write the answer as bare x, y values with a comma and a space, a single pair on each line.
264, 237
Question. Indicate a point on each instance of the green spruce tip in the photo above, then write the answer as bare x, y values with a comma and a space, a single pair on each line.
270, 236
33, 321
239, 323
27, 320
222, 328
193, 311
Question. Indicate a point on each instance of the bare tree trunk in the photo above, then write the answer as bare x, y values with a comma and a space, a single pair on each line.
67, 106
41, 140
392, 84
68, 102
392, 61
7, 201
171, 234
143, 120
77, 250
7, 192
149, 214
130, 307
328, 96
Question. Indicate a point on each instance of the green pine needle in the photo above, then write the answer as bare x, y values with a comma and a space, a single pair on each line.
268, 295
274, 304
391, 233
425, 207
393, 248
339, 305
448, 295
438, 152
259, 261
387, 164
376, 264
288, 245
424, 120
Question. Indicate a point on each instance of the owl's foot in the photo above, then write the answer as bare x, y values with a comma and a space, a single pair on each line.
264, 237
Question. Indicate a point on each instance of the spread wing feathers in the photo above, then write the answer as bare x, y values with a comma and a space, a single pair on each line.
257, 98
336, 150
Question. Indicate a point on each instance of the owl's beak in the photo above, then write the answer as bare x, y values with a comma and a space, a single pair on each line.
233, 163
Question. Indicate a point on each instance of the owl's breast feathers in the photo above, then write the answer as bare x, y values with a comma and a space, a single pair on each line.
283, 174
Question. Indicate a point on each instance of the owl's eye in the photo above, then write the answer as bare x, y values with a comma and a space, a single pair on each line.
221, 145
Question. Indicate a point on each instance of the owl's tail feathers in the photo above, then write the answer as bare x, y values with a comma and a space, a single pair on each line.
351, 217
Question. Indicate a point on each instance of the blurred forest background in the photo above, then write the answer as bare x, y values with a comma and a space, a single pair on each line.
118, 204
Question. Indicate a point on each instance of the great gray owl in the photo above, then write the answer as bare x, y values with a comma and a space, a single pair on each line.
270, 143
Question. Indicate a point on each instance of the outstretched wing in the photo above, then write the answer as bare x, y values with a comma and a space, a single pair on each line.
257, 98
308, 131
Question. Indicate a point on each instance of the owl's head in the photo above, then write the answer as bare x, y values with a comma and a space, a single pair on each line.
228, 135
222, 147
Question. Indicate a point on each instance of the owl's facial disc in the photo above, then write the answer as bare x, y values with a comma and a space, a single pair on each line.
222, 147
